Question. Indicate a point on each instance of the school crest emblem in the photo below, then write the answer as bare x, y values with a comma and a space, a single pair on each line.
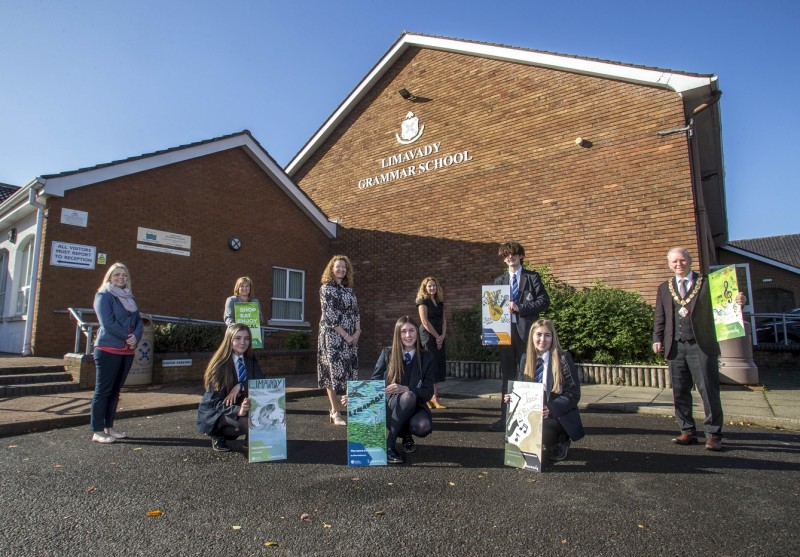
410, 130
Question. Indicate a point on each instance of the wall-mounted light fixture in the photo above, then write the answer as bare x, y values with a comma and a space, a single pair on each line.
12, 235
407, 95
582, 142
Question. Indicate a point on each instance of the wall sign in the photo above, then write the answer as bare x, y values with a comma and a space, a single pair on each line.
64, 254
414, 161
162, 238
74, 217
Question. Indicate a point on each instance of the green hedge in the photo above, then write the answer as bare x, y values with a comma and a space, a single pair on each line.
187, 337
598, 324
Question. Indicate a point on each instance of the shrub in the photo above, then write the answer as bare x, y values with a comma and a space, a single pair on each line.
187, 337
464, 337
598, 324
298, 341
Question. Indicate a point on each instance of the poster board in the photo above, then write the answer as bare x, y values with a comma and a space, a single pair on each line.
495, 315
724, 288
523, 447
267, 420
249, 313
366, 423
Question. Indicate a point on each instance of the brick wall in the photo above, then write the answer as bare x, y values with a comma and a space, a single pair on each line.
210, 198
608, 212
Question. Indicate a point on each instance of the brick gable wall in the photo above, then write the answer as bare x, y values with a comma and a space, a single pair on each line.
607, 212
210, 198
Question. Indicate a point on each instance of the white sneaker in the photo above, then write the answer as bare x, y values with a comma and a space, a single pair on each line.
116, 434
100, 437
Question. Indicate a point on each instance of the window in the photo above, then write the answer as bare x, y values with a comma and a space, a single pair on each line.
24, 275
3, 280
287, 294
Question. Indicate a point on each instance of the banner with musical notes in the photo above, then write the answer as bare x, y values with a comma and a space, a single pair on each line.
724, 288
524, 425
495, 315
366, 423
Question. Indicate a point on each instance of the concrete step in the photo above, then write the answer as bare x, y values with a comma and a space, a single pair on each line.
38, 389
34, 377
21, 370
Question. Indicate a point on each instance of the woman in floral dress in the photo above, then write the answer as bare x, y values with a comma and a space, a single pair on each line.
339, 331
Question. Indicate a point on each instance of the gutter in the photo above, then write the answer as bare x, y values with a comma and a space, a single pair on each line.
37, 251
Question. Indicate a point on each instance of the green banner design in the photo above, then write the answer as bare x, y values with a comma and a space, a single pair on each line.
249, 313
727, 314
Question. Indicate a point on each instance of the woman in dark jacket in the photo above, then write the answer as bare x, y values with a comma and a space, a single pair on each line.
409, 376
119, 333
224, 407
545, 362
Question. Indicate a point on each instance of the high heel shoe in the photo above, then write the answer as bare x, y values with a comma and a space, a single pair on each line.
436, 404
336, 418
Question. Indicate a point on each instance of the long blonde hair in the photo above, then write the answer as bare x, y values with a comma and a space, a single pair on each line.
422, 293
107, 278
220, 373
327, 274
555, 355
395, 369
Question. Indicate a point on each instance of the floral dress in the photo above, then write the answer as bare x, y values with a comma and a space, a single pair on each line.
337, 361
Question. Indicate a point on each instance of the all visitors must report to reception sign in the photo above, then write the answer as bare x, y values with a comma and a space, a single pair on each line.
64, 254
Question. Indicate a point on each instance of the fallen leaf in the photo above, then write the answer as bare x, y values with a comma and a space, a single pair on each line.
305, 517
90, 489
391, 483
324, 525
564, 542
13, 446
640, 525
451, 484
380, 513
270, 544
356, 479
236, 527
137, 449
154, 513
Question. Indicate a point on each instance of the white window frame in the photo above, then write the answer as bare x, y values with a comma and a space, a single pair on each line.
282, 321
24, 276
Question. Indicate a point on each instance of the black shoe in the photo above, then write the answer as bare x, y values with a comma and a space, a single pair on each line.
220, 445
408, 444
499, 425
392, 457
561, 451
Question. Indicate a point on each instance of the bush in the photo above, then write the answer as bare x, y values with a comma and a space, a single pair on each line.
187, 337
598, 324
464, 337
298, 341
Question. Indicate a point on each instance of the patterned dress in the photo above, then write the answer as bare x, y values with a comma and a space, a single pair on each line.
337, 361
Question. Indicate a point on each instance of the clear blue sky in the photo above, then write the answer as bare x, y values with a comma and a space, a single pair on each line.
85, 82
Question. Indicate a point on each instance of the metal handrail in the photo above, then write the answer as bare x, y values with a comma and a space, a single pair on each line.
778, 320
87, 327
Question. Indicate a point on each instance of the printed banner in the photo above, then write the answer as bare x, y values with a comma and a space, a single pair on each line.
724, 288
249, 314
366, 423
495, 315
524, 425
267, 419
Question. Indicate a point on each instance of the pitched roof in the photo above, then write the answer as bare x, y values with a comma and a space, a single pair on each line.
57, 184
783, 249
6, 191
694, 88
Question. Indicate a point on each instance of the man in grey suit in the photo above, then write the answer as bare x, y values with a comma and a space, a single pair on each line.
528, 299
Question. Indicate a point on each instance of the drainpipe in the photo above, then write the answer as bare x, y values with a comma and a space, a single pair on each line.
37, 250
